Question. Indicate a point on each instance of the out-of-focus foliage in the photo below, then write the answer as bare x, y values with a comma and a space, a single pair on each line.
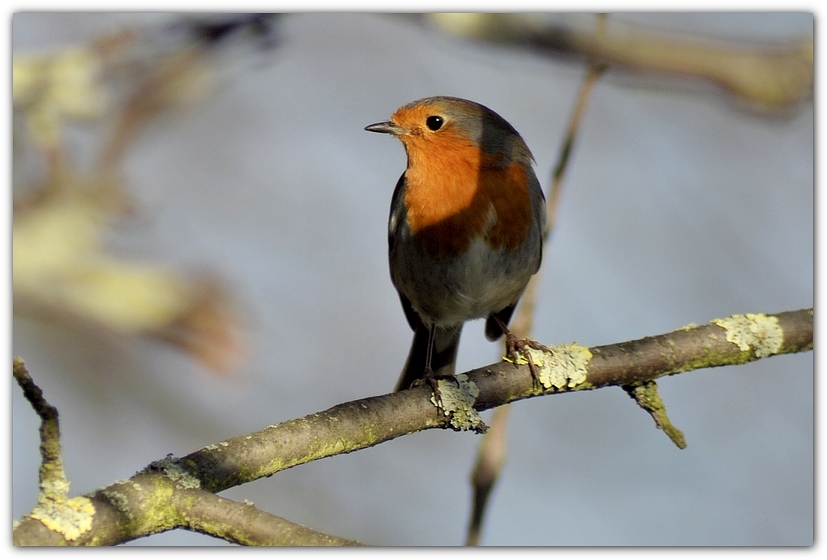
62, 268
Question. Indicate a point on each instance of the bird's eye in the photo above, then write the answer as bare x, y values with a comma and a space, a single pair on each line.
434, 122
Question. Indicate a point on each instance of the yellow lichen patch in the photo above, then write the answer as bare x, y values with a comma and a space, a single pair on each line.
457, 402
70, 518
753, 331
54, 484
564, 366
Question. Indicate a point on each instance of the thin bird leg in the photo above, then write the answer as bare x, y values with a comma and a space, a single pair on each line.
428, 375
430, 353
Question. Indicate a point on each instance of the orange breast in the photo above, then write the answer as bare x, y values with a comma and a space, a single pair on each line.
457, 194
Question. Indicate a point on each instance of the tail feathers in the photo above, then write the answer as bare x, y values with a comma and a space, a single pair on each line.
493, 331
443, 358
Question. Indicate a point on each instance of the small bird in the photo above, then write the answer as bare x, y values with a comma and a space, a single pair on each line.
466, 226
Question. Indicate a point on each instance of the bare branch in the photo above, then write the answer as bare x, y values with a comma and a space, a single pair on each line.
490, 459
243, 523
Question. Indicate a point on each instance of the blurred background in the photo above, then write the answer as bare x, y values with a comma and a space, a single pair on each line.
200, 251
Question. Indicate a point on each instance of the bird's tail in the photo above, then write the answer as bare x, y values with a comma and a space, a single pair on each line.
443, 358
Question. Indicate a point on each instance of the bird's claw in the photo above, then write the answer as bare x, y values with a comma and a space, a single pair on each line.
514, 345
432, 380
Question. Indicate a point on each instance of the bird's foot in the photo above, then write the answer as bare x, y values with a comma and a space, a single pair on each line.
432, 380
521, 345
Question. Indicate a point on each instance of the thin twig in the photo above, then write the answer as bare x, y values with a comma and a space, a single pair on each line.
490, 458
525, 316
53, 483
68, 517
646, 395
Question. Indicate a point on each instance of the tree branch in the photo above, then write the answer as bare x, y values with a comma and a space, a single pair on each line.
243, 523
119, 509
627, 363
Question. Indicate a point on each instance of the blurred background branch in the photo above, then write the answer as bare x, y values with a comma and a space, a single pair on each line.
768, 78
64, 208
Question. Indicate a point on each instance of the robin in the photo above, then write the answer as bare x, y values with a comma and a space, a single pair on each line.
466, 225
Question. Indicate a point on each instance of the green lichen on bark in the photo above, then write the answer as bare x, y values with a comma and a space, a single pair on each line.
647, 397
456, 401
172, 468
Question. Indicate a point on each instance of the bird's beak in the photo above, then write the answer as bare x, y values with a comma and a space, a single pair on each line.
385, 128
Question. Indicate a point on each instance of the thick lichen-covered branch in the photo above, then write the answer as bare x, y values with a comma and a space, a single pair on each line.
162, 497
119, 508
627, 363
153, 502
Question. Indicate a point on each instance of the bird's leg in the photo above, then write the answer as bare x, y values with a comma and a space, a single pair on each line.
429, 377
513, 344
